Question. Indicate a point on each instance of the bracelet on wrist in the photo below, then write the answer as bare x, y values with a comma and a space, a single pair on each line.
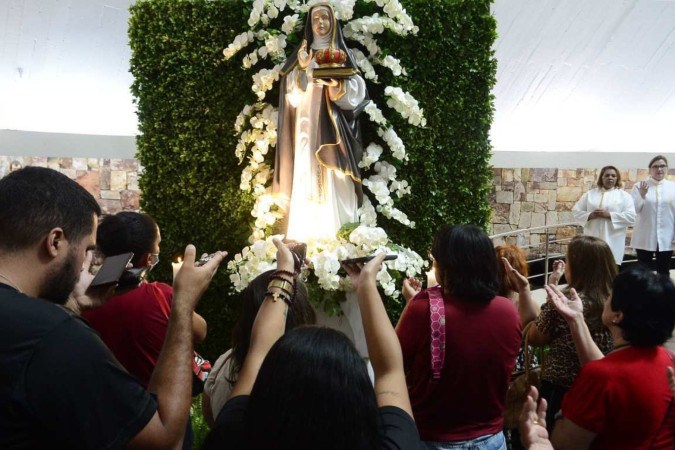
282, 284
284, 272
277, 295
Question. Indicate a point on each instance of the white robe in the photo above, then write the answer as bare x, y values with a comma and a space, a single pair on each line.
620, 206
655, 216
318, 208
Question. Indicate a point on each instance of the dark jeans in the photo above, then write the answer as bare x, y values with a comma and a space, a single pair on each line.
662, 260
553, 394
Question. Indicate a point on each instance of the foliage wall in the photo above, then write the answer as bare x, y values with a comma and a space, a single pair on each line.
188, 99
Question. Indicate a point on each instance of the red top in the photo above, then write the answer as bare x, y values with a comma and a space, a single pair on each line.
482, 341
625, 398
133, 326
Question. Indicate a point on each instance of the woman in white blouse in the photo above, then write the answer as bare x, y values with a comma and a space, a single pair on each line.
606, 211
654, 204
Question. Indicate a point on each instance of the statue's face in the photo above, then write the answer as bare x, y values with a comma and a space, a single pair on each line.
321, 21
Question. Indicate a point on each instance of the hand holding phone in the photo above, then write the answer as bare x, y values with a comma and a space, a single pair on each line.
111, 270
365, 259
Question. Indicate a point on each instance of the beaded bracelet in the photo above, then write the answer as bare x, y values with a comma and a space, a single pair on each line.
279, 295
293, 275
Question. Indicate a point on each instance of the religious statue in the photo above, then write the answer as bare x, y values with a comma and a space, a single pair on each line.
319, 146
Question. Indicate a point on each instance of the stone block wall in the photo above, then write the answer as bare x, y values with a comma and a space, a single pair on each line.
113, 182
529, 198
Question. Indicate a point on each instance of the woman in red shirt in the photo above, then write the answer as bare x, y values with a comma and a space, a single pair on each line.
458, 398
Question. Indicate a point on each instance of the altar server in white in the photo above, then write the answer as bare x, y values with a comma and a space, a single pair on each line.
606, 211
654, 204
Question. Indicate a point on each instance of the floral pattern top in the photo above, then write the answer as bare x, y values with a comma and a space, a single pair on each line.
562, 363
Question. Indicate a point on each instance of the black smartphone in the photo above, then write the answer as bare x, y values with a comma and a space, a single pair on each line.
111, 270
299, 250
365, 259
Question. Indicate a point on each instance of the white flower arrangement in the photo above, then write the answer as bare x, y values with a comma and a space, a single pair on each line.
272, 24
325, 256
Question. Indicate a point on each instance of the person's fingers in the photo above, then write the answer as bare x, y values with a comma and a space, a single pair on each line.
574, 294
541, 412
86, 265
189, 255
376, 262
215, 261
507, 265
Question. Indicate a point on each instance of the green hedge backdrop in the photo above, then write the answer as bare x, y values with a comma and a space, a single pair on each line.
188, 98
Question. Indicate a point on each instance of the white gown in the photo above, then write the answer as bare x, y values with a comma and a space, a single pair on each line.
320, 206
620, 206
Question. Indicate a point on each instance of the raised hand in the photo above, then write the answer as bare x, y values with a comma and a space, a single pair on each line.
304, 58
516, 277
191, 280
361, 274
570, 308
532, 427
285, 258
411, 287
83, 297
643, 187
557, 273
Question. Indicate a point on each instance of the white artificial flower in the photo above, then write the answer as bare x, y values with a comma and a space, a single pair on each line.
375, 114
290, 23
406, 105
371, 155
365, 65
393, 142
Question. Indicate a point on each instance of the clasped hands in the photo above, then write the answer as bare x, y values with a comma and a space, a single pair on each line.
599, 214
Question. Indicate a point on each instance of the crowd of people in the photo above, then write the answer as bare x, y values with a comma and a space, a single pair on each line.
86, 367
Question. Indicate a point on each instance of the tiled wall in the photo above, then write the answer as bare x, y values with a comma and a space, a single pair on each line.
113, 182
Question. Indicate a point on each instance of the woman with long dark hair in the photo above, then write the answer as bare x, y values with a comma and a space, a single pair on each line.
226, 369
460, 342
309, 388
590, 269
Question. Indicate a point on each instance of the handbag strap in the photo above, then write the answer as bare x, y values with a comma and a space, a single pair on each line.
437, 326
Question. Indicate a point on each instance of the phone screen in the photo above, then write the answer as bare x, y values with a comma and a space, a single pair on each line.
111, 269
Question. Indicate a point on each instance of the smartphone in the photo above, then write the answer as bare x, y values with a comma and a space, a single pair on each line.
204, 259
111, 270
365, 259
299, 250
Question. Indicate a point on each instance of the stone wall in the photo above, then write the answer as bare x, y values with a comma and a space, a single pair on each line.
113, 182
530, 198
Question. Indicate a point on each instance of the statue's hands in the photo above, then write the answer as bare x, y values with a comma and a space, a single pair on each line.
304, 58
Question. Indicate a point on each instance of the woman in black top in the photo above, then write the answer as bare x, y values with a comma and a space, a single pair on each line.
309, 389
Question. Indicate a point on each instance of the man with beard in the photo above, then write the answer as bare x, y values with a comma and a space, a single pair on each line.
60, 387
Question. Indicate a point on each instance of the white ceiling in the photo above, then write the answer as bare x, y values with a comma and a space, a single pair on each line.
573, 75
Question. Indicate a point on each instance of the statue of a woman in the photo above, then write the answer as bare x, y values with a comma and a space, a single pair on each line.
319, 143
